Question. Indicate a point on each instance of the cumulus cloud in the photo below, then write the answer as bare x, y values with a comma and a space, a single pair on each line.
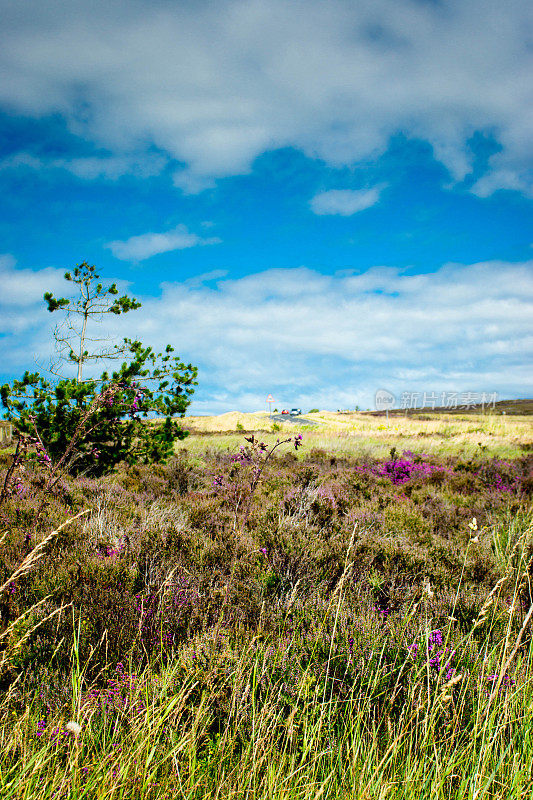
333, 340
213, 85
345, 202
25, 325
25, 287
146, 245
313, 339
503, 179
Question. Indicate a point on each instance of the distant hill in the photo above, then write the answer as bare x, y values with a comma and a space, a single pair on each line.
517, 407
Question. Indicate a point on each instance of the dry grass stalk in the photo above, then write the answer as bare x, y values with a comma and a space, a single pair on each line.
482, 616
525, 579
445, 695
292, 598
485, 608
10, 628
6, 654
37, 552
505, 666
347, 564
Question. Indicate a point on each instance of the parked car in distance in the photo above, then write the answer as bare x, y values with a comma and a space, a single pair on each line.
295, 412
285, 411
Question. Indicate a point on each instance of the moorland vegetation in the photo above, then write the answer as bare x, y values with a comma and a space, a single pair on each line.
341, 611
274, 620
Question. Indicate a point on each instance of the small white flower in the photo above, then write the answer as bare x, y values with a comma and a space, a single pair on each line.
473, 525
73, 727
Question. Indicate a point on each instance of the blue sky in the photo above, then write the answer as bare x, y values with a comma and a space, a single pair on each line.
312, 199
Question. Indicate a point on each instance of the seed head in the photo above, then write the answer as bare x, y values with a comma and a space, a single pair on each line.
74, 728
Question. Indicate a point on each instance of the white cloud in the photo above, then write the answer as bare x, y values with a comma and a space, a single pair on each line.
321, 340
146, 245
112, 167
215, 85
503, 179
206, 277
25, 287
345, 202
25, 324
91, 168
301, 334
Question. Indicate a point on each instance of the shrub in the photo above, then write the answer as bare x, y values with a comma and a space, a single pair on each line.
109, 419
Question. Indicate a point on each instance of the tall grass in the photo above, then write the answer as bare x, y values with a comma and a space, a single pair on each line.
449, 741
242, 715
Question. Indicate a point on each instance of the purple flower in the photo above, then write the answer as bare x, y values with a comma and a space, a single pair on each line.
506, 682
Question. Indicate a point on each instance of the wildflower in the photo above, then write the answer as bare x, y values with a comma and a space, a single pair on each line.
506, 681
473, 530
427, 589
74, 728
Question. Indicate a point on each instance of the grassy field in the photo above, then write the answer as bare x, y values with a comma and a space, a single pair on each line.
364, 434
347, 615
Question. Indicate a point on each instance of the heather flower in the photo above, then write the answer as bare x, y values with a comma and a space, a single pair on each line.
506, 683
435, 638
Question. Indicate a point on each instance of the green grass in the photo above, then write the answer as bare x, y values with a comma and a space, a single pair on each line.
444, 740
356, 444
287, 684
356, 434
